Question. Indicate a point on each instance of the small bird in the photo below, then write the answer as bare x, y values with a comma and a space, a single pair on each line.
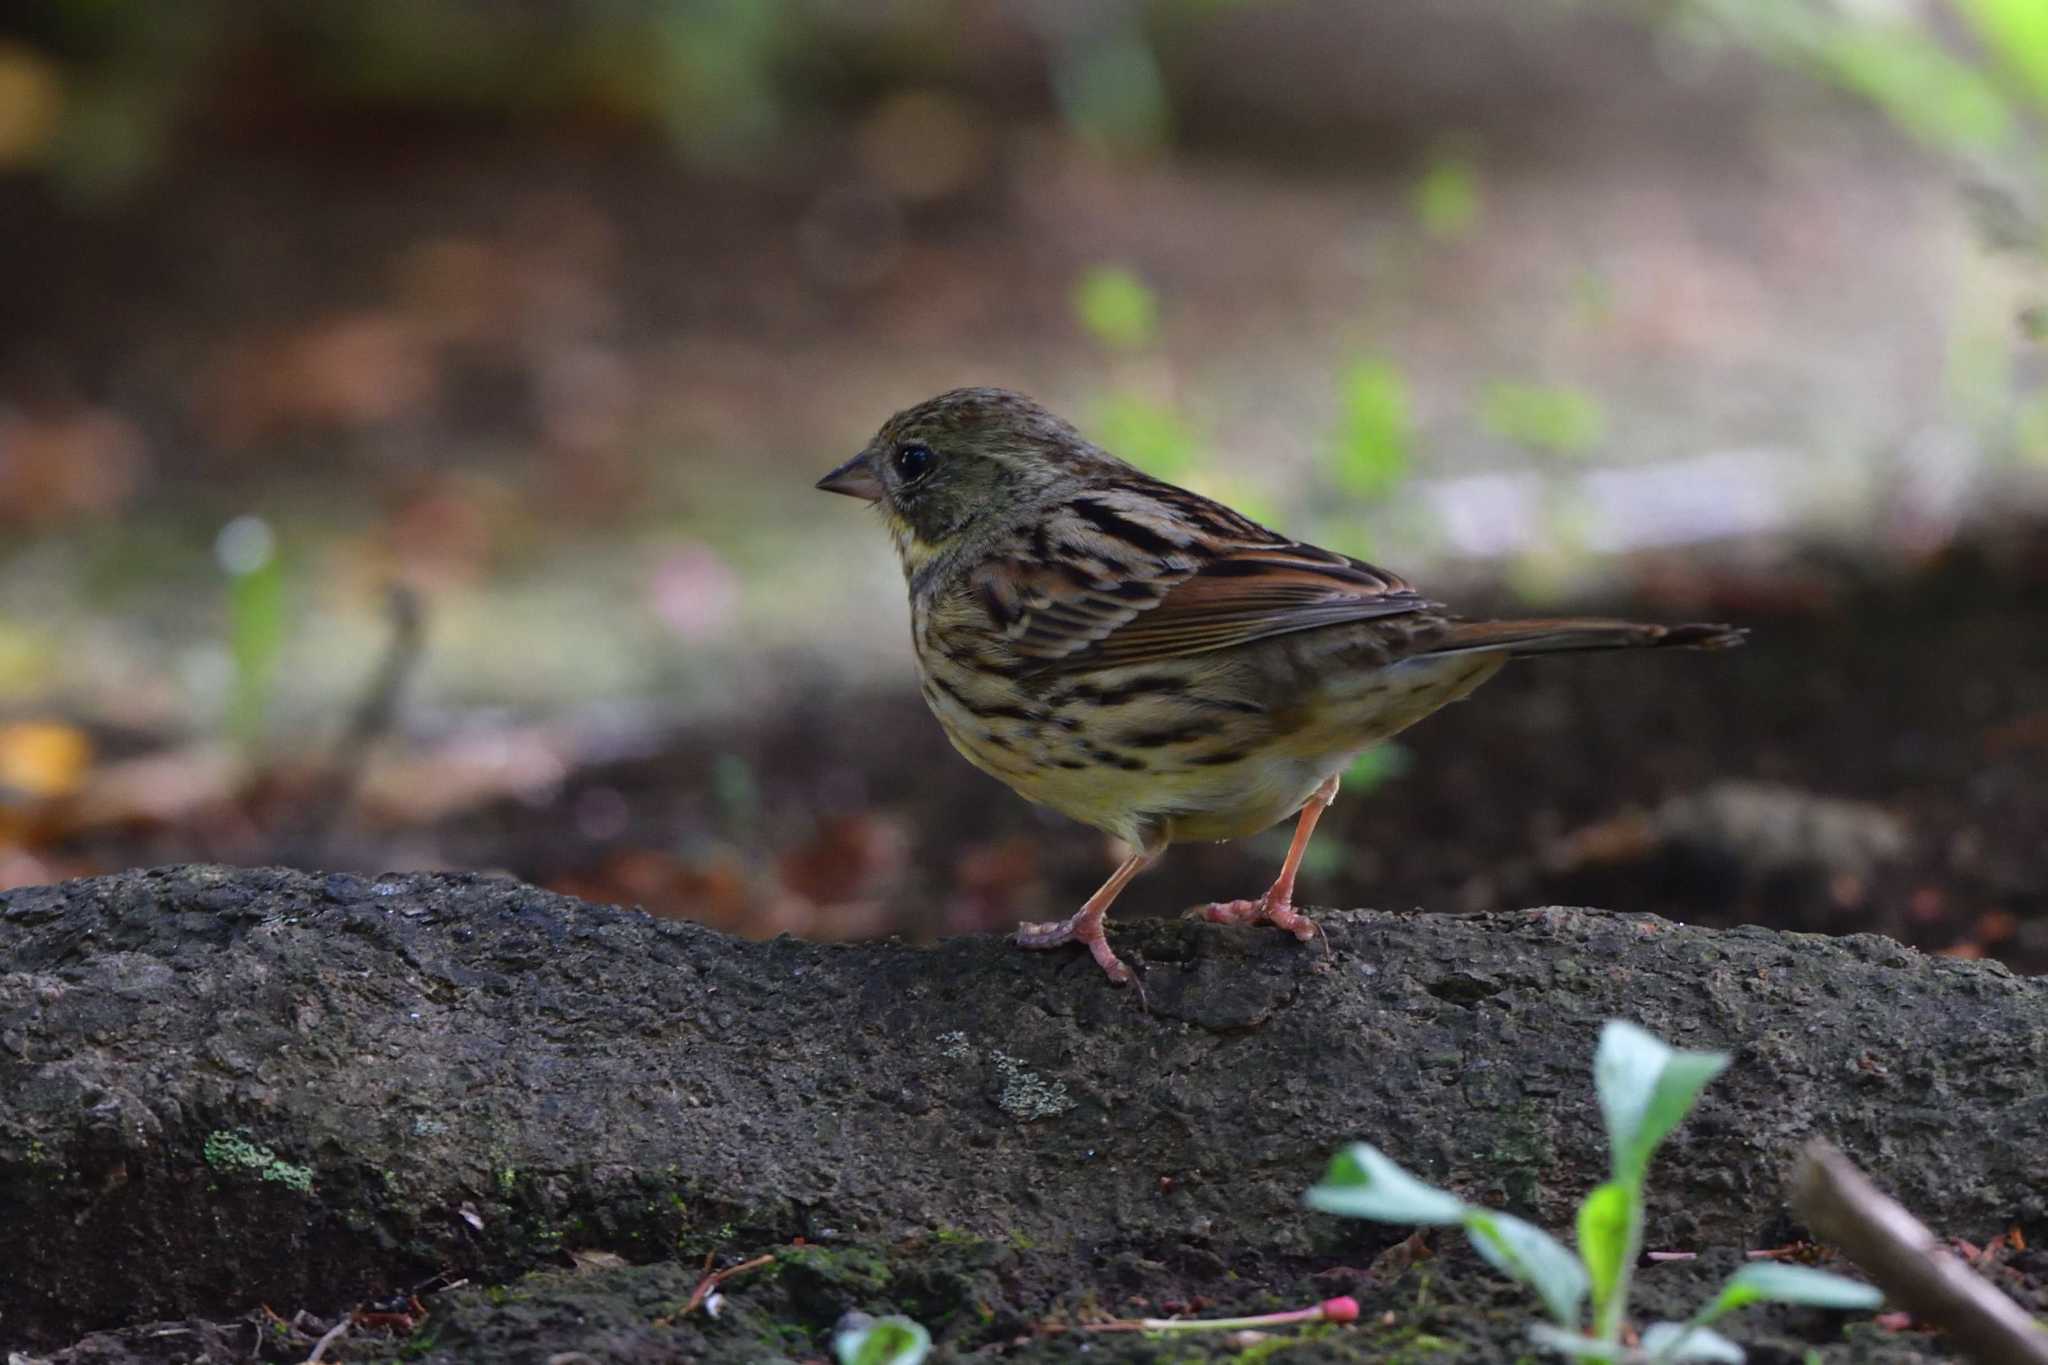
1148, 661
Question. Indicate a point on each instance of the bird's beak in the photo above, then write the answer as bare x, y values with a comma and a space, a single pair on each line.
854, 479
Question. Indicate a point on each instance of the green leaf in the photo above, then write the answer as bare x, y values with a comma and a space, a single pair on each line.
883, 1341
1117, 308
1604, 1222
1375, 431
1573, 1344
1363, 1183
2017, 31
1676, 1341
1936, 97
1534, 1257
1646, 1089
1771, 1282
1563, 421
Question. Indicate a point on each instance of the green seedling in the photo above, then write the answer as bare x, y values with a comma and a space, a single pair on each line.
1646, 1089
862, 1340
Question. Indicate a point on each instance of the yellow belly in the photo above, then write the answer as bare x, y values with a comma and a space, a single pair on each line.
1229, 750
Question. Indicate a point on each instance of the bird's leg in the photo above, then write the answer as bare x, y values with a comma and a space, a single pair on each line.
1277, 905
1085, 925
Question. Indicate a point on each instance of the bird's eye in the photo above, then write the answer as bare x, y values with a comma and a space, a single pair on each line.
912, 461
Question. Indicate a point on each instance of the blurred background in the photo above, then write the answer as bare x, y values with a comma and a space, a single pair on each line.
409, 411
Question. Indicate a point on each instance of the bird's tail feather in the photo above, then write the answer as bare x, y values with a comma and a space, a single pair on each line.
1564, 635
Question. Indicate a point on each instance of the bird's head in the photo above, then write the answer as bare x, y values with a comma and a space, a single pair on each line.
964, 466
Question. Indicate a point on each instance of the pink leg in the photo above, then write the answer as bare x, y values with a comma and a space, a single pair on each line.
1277, 905
1085, 925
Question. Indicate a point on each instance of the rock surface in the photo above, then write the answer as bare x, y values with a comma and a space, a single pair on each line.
222, 1088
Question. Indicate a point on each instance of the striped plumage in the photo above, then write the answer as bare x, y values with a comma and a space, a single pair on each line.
1146, 660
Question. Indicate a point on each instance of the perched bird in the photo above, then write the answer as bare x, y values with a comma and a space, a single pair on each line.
1148, 661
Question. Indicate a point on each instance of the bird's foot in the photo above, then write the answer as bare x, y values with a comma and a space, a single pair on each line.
1268, 909
1053, 933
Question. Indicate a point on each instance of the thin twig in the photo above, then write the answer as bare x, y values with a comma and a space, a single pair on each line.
1329, 1310
334, 1334
719, 1277
372, 719
1899, 1252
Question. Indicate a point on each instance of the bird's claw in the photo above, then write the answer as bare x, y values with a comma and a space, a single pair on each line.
1053, 933
1264, 910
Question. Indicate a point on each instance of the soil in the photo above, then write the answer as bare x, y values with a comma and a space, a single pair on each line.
239, 1088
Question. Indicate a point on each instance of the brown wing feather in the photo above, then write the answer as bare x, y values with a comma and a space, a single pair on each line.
1127, 576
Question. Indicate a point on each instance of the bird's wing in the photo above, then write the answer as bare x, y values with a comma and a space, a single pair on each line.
1127, 576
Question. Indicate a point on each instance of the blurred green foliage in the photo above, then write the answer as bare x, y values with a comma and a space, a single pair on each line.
1375, 431
1121, 312
2015, 32
1149, 434
247, 552
1117, 308
1379, 765
1952, 96
719, 78
1111, 91
2031, 430
1446, 197
722, 77
1559, 420
736, 791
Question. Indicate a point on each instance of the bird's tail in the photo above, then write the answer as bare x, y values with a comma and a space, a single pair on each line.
1559, 636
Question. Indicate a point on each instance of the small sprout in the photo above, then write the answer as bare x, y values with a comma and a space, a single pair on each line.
862, 1340
1646, 1089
